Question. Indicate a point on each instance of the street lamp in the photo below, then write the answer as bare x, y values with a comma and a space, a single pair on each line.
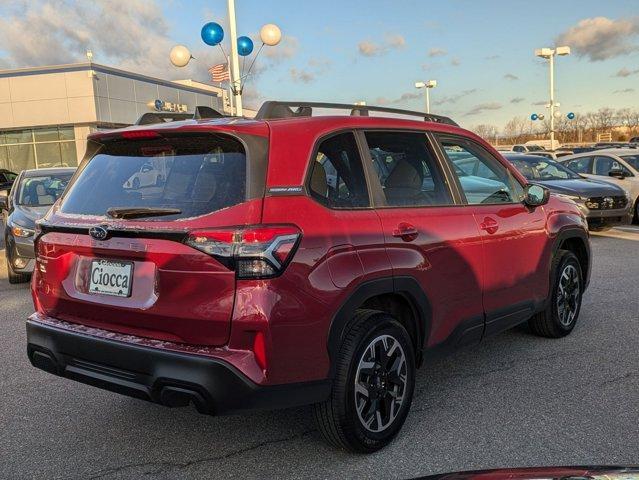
427, 86
212, 34
549, 54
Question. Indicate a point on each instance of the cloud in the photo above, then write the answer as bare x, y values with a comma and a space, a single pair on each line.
369, 49
455, 62
454, 98
285, 50
372, 49
395, 41
492, 57
301, 75
517, 100
601, 38
625, 90
316, 67
540, 102
436, 52
625, 72
510, 76
483, 107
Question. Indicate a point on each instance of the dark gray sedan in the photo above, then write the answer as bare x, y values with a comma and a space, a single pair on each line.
604, 204
32, 194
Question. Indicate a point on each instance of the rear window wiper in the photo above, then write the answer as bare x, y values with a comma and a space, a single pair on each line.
140, 212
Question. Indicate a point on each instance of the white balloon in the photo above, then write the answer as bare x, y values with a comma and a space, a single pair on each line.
180, 56
270, 34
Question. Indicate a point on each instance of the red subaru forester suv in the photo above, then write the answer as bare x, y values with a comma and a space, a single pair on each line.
296, 259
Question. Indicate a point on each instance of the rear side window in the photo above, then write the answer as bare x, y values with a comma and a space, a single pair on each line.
407, 169
337, 176
194, 174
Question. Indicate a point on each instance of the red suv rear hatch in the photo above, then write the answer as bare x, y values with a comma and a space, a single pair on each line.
112, 254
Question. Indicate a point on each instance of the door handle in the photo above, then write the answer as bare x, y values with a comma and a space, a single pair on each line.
489, 225
406, 232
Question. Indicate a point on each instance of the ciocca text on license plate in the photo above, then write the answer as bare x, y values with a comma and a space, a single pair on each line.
110, 277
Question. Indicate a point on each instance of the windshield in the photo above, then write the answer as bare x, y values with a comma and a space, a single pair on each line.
42, 191
540, 168
632, 160
192, 175
534, 148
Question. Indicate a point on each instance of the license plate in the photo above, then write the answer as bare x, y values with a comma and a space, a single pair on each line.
109, 277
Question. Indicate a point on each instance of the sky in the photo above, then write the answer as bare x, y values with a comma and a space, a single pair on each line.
479, 51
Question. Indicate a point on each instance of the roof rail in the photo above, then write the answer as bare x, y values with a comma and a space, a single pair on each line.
201, 112
273, 109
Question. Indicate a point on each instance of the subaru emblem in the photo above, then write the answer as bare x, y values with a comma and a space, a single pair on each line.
98, 232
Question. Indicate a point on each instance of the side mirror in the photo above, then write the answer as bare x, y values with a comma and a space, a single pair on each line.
617, 173
536, 195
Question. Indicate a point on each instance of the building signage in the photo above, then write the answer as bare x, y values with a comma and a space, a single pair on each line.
162, 106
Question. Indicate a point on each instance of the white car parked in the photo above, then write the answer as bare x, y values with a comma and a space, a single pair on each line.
147, 176
617, 165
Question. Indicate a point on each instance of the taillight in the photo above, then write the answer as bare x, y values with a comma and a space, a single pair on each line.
252, 252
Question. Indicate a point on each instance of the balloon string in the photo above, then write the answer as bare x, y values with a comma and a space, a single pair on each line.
223, 52
254, 58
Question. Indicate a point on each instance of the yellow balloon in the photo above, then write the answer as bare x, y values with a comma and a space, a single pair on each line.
270, 34
180, 56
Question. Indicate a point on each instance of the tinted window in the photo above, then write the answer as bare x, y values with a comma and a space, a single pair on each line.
194, 174
603, 165
407, 169
632, 160
337, 175
483, 179
42, 191
541, 168
580, 165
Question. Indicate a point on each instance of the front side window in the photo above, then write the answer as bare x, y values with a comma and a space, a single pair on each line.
337, 176
407, 170
42, 191
580, 165
482, 178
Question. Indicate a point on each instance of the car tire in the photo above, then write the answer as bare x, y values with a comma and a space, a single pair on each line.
636, 215
15, 278
561, 313
377, 354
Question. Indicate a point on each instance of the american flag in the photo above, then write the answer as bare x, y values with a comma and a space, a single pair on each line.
219, 72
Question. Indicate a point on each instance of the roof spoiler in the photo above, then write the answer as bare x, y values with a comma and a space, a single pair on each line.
201, 112
272, 110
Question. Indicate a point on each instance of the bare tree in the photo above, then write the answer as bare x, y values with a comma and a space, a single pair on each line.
488, 132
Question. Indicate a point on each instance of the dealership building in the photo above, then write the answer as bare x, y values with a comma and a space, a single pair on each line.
46, 113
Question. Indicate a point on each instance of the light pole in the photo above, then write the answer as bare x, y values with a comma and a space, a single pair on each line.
549, 54
212, 34
427, 86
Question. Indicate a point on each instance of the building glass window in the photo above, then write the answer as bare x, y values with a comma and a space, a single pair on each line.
37, 148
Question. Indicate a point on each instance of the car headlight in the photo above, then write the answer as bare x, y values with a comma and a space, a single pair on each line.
21, 232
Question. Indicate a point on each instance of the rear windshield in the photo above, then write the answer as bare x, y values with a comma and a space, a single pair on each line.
194, 174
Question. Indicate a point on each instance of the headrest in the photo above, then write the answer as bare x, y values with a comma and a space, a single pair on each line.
40, 190
404, 175
318, 180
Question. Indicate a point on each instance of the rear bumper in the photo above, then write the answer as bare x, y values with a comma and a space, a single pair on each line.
166, 377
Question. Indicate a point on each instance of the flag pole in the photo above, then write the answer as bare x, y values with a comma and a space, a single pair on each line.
228, 67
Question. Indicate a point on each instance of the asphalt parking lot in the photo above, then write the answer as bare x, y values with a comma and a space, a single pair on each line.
515, 400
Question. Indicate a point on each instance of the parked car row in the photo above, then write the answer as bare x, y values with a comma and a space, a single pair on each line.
32, 194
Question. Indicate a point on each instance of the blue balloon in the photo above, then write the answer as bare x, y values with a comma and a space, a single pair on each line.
534, 117
244, 46
571, 116
212, 33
